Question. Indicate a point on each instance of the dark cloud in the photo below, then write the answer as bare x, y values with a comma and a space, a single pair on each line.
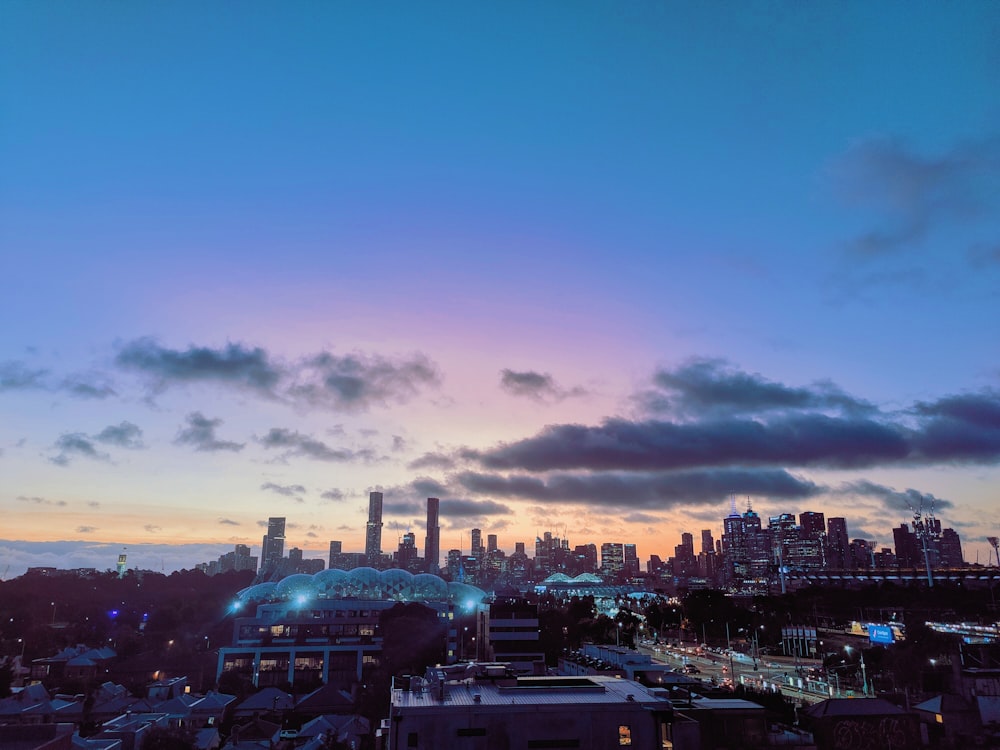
333, 494
650, 491
954, 429
228, 522
233, 364
401, 507
473, 508
427, 487
432, 461
641, 518
200, 433
398, 443
917, 194
895, 500
618, 444
124, 435
16, 376
962, 428
535, 385
288, 490
72, 445
713, 386
296, 444
355, 382
40, 501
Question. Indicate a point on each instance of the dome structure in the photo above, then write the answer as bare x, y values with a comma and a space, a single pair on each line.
369, 584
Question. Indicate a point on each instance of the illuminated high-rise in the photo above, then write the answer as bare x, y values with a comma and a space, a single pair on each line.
373, 531
273, 544
432, 542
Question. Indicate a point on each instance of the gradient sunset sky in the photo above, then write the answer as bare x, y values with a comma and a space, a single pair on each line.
586, 267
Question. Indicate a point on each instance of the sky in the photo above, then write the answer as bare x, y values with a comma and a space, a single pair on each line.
592, 268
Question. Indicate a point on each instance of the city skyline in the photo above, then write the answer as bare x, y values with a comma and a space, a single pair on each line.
592, 270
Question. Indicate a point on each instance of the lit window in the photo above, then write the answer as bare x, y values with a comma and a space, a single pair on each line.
624, 735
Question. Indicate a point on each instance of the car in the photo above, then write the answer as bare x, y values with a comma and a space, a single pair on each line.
691, 669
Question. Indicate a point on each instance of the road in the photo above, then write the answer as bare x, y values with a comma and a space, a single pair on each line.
772, 673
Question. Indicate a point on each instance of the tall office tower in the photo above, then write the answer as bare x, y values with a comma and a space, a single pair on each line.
476, 549
747, 548
684, 561
491, 543
406, 555
631, 560
838, 545
273, 544
373, 532
336, 559
294, 557
950, 549
454, 564
432, 542
612, 561
707, 544
585, 558
519, 548
908, 552
813, 524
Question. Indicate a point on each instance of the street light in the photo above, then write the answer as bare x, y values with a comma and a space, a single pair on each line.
618, 631
864, 673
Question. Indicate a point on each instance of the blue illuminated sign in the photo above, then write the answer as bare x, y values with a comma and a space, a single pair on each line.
880, 634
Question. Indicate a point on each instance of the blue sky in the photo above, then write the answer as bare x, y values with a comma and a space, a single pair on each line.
440, 230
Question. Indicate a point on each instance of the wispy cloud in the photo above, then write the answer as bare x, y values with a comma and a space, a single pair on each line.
293, 443
40, 501
295, 491
915, 194
72, 445
200, 433
123, 435
349, 382
537, 386
233, 364
17, 376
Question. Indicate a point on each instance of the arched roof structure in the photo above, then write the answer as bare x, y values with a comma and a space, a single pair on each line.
366, 584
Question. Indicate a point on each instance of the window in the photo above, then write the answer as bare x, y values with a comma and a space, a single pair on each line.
411, 739
624, 734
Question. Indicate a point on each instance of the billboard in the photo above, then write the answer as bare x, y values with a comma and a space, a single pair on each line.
881, 634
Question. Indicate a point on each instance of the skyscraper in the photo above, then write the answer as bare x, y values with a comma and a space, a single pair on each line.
432, 542
838, 544
273, 544
477, 543
373, 532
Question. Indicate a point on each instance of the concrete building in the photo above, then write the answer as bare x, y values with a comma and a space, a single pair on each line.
493, 710
512, 635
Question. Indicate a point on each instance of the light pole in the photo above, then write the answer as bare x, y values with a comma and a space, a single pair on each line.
53, 613
864, 672
618, 631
